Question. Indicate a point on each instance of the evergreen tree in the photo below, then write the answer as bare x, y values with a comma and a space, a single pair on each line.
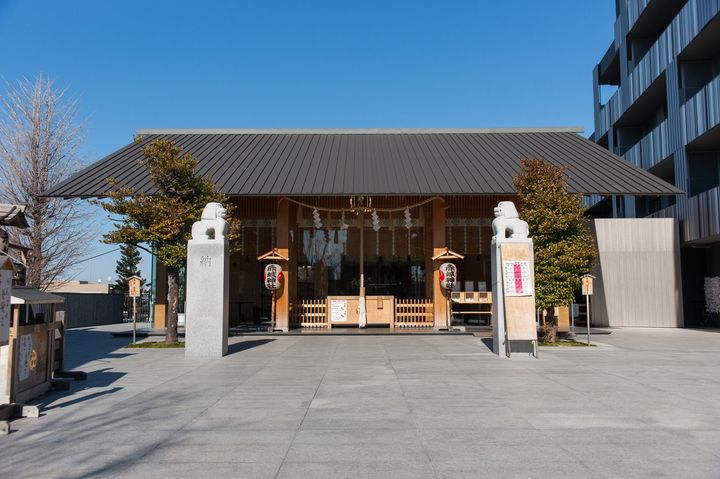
564, 250
164, 220
126, 267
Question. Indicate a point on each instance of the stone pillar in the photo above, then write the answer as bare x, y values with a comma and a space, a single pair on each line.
208, 289
282, 304
498, 309
440, 308
513, 281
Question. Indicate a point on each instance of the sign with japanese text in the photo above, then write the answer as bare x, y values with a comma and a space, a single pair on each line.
273, 276
338, 310
448, 275
134, 287
5, 308
517, 278
24, 357
587, 285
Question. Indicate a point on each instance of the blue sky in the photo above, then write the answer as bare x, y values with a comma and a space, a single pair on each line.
307, 64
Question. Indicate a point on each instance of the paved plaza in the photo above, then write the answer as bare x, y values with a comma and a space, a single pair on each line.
645, 403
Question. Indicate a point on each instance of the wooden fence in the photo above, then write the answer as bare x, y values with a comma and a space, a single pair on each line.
310, 313
413, 313
409, 313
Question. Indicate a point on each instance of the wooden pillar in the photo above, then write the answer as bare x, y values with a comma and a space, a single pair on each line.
438, 243
282, 305
291, 281
427, 249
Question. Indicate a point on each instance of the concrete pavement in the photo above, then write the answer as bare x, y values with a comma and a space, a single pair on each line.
643, 404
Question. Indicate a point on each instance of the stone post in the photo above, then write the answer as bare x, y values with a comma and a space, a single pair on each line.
208, 287
511, 257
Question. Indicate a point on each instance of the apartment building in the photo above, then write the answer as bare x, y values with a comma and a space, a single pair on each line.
657, 104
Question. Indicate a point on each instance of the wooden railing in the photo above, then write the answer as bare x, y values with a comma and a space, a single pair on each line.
413, 313
310, 313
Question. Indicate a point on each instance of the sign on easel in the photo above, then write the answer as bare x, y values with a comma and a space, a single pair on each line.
519, 292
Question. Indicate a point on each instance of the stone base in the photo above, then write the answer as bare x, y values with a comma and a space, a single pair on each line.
208, 288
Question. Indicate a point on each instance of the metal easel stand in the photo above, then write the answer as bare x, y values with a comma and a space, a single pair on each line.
508, 348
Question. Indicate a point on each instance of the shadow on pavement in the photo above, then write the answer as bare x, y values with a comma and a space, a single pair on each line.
83, 345
243, 345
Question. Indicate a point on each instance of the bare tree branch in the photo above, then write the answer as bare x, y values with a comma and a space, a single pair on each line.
39, 142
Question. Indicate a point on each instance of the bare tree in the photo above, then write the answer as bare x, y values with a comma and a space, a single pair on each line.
39, 142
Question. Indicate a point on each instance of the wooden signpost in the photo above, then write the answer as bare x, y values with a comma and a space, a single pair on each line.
134, 292
587, 291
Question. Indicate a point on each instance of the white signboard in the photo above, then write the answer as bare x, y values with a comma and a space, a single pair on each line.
24, 356
338, 310
517, 278
5, 308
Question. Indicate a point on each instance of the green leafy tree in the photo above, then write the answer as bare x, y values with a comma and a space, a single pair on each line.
127, 266
164, 219
564, 250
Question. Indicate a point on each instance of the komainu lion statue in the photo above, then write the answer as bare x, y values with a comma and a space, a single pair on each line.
212, 224
507, 221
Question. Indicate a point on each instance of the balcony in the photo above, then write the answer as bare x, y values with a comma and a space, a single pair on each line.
651, 149
635, 8
684, 27
702, 111
702, 216
609, 113
699, 216
648, 18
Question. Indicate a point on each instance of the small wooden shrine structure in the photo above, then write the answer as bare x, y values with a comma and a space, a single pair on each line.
27, 361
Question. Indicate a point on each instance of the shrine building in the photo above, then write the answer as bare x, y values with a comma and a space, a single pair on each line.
341, 210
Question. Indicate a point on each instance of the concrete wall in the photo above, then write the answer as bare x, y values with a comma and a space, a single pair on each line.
82, 310
638, 273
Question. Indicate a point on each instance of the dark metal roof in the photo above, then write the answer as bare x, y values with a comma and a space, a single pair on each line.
379, 162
